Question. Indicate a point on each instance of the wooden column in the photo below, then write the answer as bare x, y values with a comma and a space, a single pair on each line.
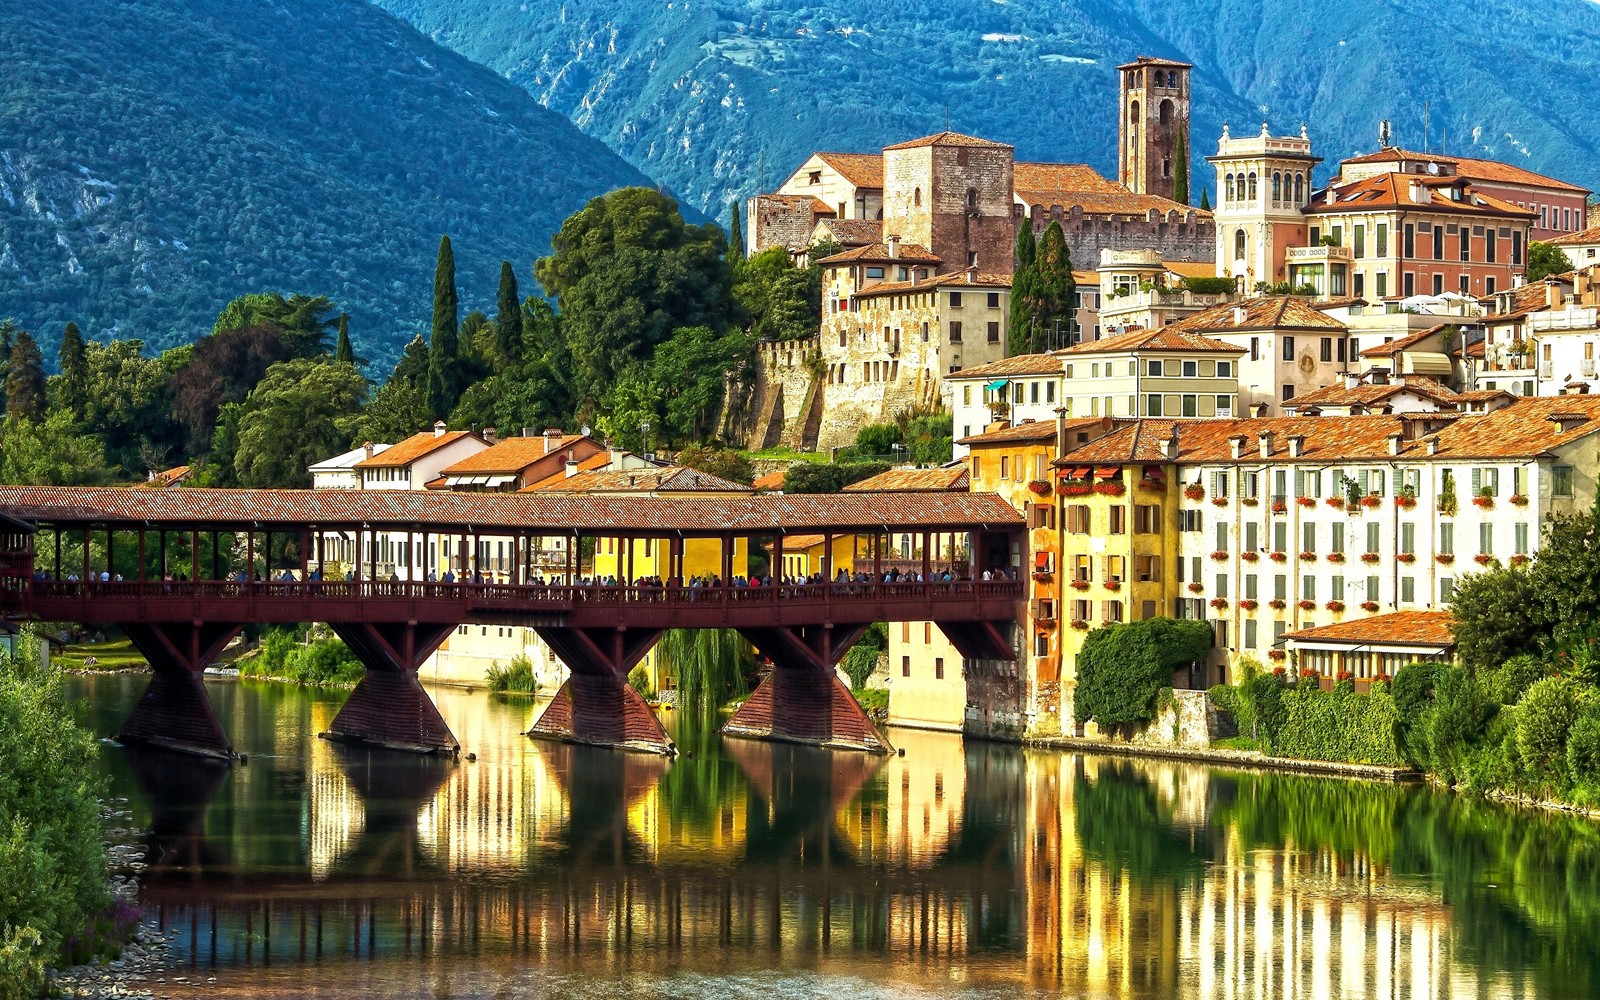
85, 576
194, 555
141, 555
250, 555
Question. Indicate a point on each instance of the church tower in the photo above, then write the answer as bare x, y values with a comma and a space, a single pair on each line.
1153, 128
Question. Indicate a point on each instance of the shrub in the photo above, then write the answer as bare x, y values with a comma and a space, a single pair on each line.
1121, 668
1506, 683
516, 677
1446, 736
639, 680
809, 477
862, 658
1543, 720
1583, 746
1338, 726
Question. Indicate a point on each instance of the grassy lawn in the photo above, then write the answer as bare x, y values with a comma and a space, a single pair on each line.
1235, 743
117, 654
787, 455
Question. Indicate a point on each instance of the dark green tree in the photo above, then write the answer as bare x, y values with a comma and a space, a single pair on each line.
723, 462
25, 398
129, 404
1545, 259
444, 350
627, 272
735, 234
342, 350
508, 318
779, 301
1057, 289
1122, 667
74, 360
1493, 614
1205, 199
222, 368
1024, 293
1180, 169
301, 411
304, 320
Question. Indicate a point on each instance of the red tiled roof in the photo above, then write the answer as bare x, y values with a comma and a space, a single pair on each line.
1141, 61
1393, 190
1168, 338
876, 252
1047, 184
914, 480
1470, 167
1402, 343
1580, 238
512, 455
956, 279
1191, 268
854, 232
1035, 430
1264, 312
672, 479
166, 478
949, 139
1401, 628
552, 512
411, 449
1018, 364
1368, 393
864, 170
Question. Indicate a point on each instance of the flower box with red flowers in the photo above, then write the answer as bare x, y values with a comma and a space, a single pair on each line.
1277, 654
1043, 577
1405, 502
1279, 507
1112, 585
1344, 675
1080, 585
1371, 558
1335, 606
1278, 557
1039, 488
1518, 500
1080, 625
1045, 623
1153, 485
1335, 503
1308, 557
1336, 557
1219, 501
1519, 560
1112, 488
1307, 673
1276, 604
1483, 501
1407, 557
1380, 678
1250, 501
1483, 559
1068, 488
1307, 605
1369, 606
1219, 603
1195, 588
1444, 558
1194, 491
1248, 605
1371, 500
1220, 555
1306, 501
1250, 556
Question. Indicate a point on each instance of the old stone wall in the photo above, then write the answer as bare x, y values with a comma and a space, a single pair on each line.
1187, 236
780, 221
876, 362
995, 699
781, 395
954, 200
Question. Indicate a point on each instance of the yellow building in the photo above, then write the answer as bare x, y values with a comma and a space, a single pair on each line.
803, 555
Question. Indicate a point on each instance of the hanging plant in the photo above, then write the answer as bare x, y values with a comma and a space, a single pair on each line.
1072, 489
1039, 488
1307, 605
1153, 485
1405, 501
1251, 501
1248, 605
1278, 557
1080, 624
1483, 559
1518, 500
1250, 556
1335, 503
1195, 588
1369, 606
1445, 558
1484, 500
1279, 507
1336, 557
1080, 585
1308, 557
1276, 656
1371, 500
1219, 603
1371, 558
1110, 488
1043, 577
1194, 491
1277, 604
1519, 560
1306, 501
1220, 555
1113, 585
1407, 557
1219, 501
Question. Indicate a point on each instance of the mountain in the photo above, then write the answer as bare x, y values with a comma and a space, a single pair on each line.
698, 93
159, 157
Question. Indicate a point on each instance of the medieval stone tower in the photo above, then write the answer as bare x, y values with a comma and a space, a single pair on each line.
1154, 123
952, 193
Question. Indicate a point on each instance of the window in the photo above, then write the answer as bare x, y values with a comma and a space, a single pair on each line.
1447, 589
1224, 369
1308, 537
1466, 244
1337, 542
1438, 284
1519, 534
1111, 611
1485, 481
955, 300
1447, 539
994, 300
1222, 535
1033, 387
905, 666
1280, 587
1116, 569
1191, 369
1119, 519
1219, 483
1078, 519
1222, 585
1147, 569
955, 331
1238, 245
1083, 568
1252, 536
1408, 243
938, 667
1288, 348
1252, 185
1147, 519
1080, 611
994, 332
1191, 405
1280, 536
1286, 391
1308, 587
874, 272
1249, 633
1049, 392
1491, 247
1408, 538
1188, 520
1360, 235
1372, 588
1383, 284
1408, 590
1250, 589
1380, 242
1408, 284
1486, 538
1336, 588
1005, 467
1327, 349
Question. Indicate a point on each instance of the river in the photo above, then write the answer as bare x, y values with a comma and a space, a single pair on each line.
751, 870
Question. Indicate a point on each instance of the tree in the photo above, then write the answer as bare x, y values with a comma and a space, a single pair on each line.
129, 404
779, 300
74, 361
689, 373
1122, 667
1180, 176
627, 272
25, 398
304, 320
1205, 199
222, 368
1545, 259
508, 318
51, 452
736, 234
302, 411
1024, 292
723, 462
443, 349
808, 477
1057, 290
342, 350
1493, 618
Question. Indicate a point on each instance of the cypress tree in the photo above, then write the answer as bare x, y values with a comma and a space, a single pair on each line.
1057, 289
1205, 199
735, 235
1024, 292
508, 317
444, 348
343, 351
25, 380
74, 358
1180, 177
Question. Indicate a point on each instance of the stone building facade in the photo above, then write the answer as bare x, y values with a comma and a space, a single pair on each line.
1153, 124
952, 194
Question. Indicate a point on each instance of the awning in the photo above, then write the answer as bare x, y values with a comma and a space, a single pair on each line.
1425, 363
499, 480
997, 384
1076, 472
1107, 472
1154, 472
1041, 560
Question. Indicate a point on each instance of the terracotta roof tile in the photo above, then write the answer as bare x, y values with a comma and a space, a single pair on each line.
554, 512
1580, 238
1086, 278
854, 232
948, 138
771, 481
672, 479
1404, 628
1393, 190
956, 279
1019, 364
864, 170
876, 252
1191, 268
1472, 168
1264, 312
950, 479
1047, 184
1369, 394
1402, 343
512, 455
412, 448
1035, 430
1168, 338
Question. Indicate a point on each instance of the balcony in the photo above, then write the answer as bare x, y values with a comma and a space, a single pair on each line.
1570, 318
1319, 255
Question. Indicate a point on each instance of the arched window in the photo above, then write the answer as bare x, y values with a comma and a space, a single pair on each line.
1133, 114
1229, 183
972, 198
1299, 189
1238, 244
1277, 186
1252, 194
916, 197
1165, 113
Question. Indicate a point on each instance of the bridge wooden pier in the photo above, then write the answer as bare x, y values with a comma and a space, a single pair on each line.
183, 571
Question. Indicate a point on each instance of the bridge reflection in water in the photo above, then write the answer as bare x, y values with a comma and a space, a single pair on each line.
954, 864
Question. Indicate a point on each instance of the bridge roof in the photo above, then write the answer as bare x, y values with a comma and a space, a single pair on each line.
226, 509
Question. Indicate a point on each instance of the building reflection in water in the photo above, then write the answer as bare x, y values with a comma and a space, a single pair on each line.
978, 863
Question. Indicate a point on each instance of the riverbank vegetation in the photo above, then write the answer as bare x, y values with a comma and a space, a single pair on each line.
515, 677
310, 656
54, 893
709, 667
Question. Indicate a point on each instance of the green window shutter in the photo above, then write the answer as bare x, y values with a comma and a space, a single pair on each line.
1477, 481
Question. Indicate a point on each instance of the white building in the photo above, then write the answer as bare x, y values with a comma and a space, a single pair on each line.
339, 472
1015, 391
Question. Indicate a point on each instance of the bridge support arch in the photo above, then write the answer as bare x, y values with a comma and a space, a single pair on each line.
174, 712
596, 705
389, 708
802, 700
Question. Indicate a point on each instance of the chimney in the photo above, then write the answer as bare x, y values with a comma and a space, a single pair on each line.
438, 428
367, 447
892, 241
1351, 380
1433, 445
1297, 445
1061, 431
552, 439
488, 435
1416, 192
1238, 315
1264, 440
1357, 409
1260, 410
1169, 447
1395, 441
1236, 444
572, 467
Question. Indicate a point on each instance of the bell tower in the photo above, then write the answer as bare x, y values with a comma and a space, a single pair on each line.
1153, 128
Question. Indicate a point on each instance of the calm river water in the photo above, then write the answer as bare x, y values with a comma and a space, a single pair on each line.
750, 870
